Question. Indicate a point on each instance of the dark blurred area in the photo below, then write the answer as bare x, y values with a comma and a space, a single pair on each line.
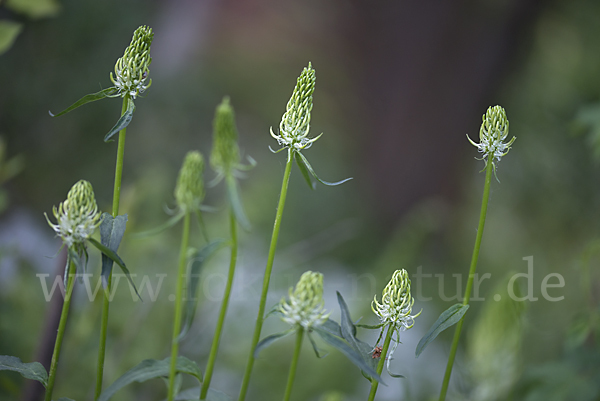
399, 84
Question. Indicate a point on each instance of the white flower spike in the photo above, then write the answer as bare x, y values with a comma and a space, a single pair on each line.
305, 305
493, 131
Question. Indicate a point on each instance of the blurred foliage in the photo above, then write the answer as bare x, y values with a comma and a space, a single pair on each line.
546, 204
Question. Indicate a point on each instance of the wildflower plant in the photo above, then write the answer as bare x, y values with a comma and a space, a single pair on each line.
293, 136
492, 134
303, 310
395, 315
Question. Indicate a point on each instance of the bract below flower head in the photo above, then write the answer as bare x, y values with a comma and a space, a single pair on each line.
493, 131
131, 70
189, 191
295, 123
304, 307
77, 217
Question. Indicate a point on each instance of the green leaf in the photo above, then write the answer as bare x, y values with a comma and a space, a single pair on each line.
267, 341
348, 330
345, 349
198, 260
117, 259
123, 121
448, 318
111, 234
369, 326
315, 348
309, 179
32, 370
92, 97
236, 202
151, 369
312, 172
34, 8
332, 327
170, 223
9, 31
193, 394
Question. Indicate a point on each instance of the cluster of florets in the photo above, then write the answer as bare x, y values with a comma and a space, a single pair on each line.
304, 307
131, 70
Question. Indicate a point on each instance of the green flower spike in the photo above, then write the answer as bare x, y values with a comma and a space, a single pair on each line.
304, 308
395, 308
77, 217
189, 191
131, 70
225, 155
295, 125
493, 131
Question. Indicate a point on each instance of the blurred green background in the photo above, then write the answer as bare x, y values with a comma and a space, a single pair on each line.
399, 84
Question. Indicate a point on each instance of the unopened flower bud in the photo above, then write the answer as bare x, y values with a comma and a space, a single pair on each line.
493, 131
225, 153
295, 123
189, 191
131, 70
305, 304
77, 217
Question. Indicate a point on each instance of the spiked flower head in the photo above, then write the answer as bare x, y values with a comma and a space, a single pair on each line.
131, 70
77, 217
295, 123
493, 131
396, 303
225, 153
189, 191
304, 307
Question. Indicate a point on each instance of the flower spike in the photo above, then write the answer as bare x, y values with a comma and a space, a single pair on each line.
131, 70
305, 304
493, 131
189, 190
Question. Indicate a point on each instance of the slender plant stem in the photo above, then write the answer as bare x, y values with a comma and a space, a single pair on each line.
185, 236
115, 213
61, 330
217, 337
294, 364
267, 278
484, 204
384, 351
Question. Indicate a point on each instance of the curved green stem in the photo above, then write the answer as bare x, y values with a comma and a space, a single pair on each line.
384, 351
267, 278
294, 364
217, 337
185, 236
475, 257
115, 213
61, 330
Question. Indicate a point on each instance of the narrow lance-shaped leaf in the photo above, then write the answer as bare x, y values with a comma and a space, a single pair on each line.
198, 261
267, 341
312, 172
117, 259
236, 202
448, 318
151, 369
307, 176
345, 349
111, 233
123, 121
31, 370
92, 97
318, 352
154, 231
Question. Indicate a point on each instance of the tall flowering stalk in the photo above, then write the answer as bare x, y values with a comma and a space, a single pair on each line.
394, 312
131, 72
293, 136
189, 193
225, 160
493, 132
76, 220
